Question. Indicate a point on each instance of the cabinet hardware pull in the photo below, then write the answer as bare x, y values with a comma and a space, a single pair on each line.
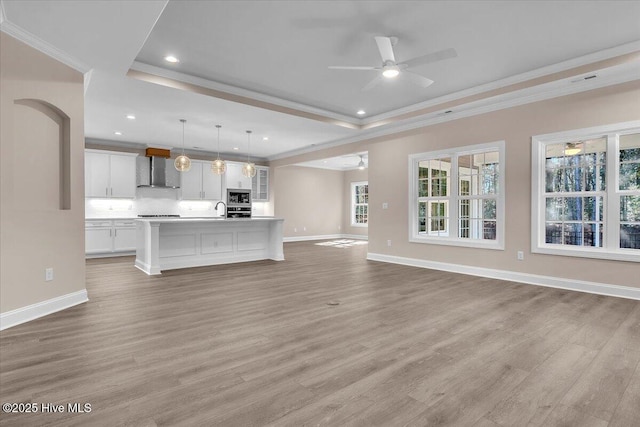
106, 191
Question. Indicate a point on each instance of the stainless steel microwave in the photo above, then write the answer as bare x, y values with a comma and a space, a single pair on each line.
238, 203
238, 197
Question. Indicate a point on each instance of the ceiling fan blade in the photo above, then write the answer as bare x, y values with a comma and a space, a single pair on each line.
431, 57
418, 79
386, 49
373, 83
346, 67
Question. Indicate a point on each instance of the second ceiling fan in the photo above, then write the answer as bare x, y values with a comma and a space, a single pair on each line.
390, 68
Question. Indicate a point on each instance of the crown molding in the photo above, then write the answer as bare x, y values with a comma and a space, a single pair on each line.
37, 43
3, 14
606, 77
212, 88
601, 55
109, 143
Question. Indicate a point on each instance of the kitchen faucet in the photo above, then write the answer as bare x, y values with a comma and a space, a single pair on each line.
225, 207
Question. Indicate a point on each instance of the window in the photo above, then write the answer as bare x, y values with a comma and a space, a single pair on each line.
586, 192
359, 204
456, 196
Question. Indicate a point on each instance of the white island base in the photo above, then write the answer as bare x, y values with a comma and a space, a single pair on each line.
172, 243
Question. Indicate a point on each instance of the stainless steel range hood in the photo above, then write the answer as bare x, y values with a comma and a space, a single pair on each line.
157, 172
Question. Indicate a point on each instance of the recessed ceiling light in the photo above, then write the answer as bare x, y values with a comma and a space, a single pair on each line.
266, 138
361, 112
171, 59
236, 148
118, 133
131, 117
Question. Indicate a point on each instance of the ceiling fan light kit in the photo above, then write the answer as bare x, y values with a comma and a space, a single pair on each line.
391, 69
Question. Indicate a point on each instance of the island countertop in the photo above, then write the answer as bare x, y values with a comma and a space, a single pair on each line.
170, 220
171, 243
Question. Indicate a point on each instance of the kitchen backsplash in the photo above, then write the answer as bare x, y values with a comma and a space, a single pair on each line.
159, 201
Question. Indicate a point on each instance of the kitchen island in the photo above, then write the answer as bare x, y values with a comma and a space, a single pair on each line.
172, 243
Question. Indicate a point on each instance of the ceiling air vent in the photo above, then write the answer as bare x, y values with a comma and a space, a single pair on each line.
581, 79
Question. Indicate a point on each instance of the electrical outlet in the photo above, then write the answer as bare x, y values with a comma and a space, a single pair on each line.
304, 228
388, 242
520, 256
48, 274
385, 205
295, 230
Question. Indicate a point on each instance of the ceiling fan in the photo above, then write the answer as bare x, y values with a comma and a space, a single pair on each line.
390, 68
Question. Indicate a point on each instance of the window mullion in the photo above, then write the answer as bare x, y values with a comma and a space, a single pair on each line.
612, 213
453, 199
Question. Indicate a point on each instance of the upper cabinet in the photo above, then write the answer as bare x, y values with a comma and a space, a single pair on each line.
108, 174
260, 184
200, 183
234, 178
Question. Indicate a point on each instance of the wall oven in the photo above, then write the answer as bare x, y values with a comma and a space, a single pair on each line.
238, 203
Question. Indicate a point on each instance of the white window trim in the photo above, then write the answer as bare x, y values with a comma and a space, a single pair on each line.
611, 222
452, 239
353, 204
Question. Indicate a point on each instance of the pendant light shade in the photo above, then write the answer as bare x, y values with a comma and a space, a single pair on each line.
249, 169
218, 166
182, 162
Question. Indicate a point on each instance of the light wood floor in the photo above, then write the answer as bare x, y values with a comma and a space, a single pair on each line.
256, 344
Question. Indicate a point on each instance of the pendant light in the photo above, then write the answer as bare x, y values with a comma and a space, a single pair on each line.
218, 166
182, 163
249, 169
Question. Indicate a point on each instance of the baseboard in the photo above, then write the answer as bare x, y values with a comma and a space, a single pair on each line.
531, 279
108, 254
323, 237
40, 309
354, 236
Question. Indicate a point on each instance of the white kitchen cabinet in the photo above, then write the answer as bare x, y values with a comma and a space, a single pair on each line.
124, 236
109, 237
191, 182
97, 174
109, 174
98, 240
200, 183
234, 178
260, 184
123, 175
211, 183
